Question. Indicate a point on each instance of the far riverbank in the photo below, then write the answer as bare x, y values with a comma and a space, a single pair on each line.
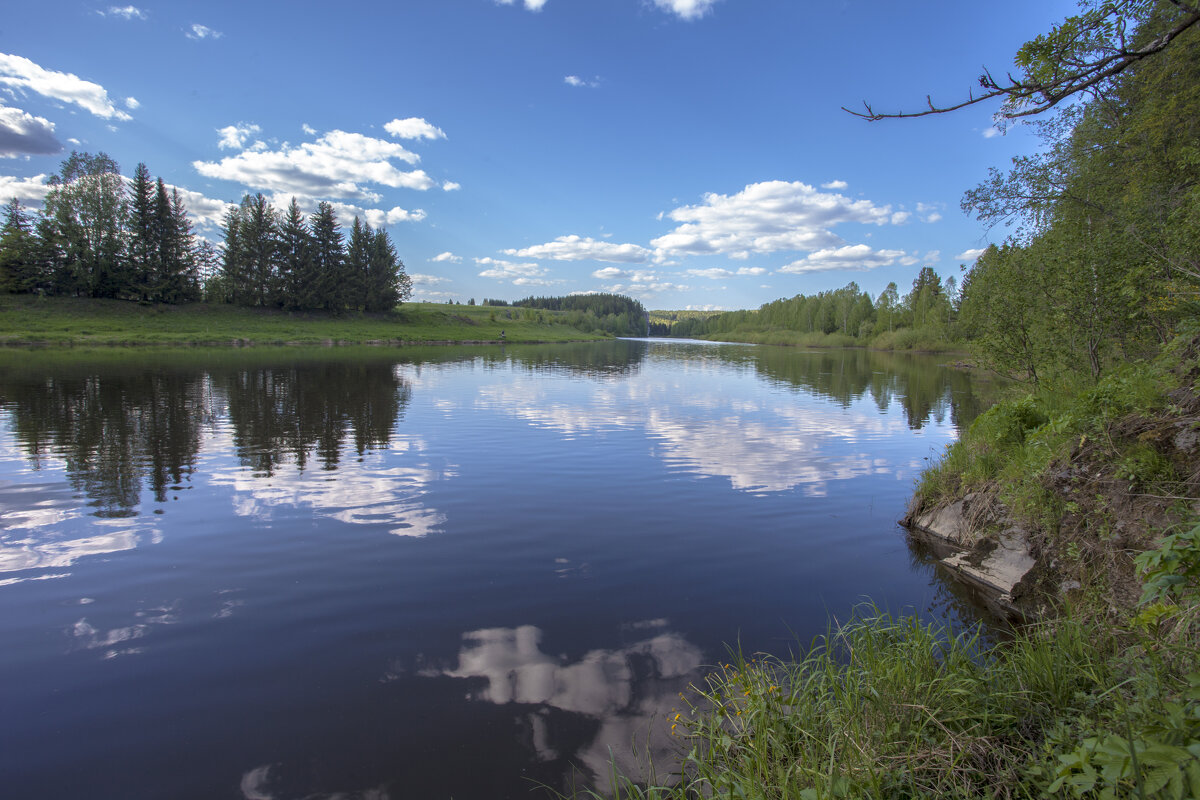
66, 321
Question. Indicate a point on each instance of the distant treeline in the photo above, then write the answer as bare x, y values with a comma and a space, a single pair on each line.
99, 235
928, 315
613, 313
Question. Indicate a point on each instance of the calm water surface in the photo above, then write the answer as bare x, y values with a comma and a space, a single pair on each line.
429, 573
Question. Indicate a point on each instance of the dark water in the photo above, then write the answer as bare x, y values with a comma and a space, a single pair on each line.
429, 573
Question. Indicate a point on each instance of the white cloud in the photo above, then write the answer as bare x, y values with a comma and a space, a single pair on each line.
967, 256
447, 257
901, 217
929, 212
532, 5
234, 137
22, 133
207, 211
421, 279
336, 165
451, 186
132, 103
526, 274
610, 273
575, 80
835, 185
855, 258
375, 217
413, 128
932, 257
578, 248
22, 74
765, 218
990, 133
27, 190
128, 12
686, 9
309, 130
752, 271
643, 290
714, 274
199, 32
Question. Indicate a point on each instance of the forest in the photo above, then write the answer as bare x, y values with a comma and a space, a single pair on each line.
1099, 258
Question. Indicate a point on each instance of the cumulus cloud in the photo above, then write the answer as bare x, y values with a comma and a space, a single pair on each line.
22, 74
932, 257
375, 217
990, 133
451, 186
647, 289
766, 218
575, 80
686, 9
525, 274
30, 191
447, 256
854, 258
207, 211
929, 212
421, 279
234, 137
338, 165
309, 130
578, 248
22, 133
967, 256
413, 128
132, 103
714, 274
835, 185
532, 5
128, 12
199, 32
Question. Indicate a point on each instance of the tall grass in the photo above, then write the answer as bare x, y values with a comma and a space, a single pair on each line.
886, 707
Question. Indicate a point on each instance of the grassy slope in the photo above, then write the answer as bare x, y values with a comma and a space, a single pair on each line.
72, 321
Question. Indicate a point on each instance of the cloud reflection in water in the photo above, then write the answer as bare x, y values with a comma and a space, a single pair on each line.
625, 690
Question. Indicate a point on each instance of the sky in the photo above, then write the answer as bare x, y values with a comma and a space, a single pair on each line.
688, 153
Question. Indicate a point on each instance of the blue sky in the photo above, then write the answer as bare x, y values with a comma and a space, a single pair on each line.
690, 153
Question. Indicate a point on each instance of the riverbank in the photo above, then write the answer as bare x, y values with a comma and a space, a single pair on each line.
1077, 511
65, 321
905, 340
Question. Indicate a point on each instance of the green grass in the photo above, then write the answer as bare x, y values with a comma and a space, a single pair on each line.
74, 321
885, 707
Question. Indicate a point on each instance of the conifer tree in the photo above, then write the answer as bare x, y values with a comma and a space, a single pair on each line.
327, 257
143, 246
296, 262
356, 265
18, 265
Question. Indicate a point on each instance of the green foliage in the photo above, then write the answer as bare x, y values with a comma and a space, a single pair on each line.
1102, 267
1172, 569
885, 707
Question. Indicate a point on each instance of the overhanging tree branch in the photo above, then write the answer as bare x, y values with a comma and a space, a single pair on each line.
1073, 64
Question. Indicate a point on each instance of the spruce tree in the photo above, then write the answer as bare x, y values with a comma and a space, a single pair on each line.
143, 246
327, 256
18, 266
357, 265
296, 262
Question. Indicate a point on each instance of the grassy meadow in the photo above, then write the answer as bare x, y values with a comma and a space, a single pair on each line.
29, 320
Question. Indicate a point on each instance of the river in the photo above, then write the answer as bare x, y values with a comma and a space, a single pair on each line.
430, 572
